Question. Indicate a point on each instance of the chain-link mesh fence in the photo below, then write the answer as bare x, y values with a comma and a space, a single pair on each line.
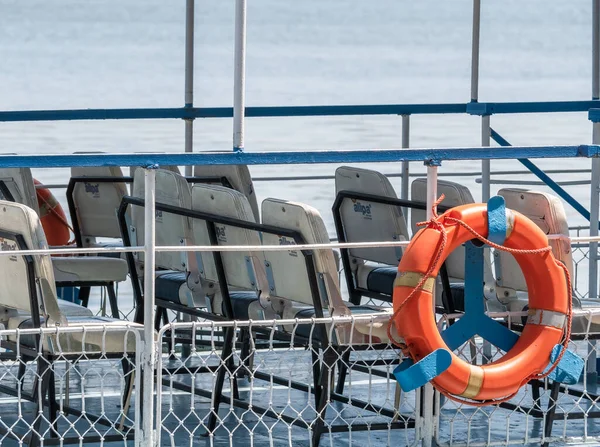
281, 383
69, 385
542, 412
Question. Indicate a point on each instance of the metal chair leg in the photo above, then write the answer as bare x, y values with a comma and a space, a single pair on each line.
112, 299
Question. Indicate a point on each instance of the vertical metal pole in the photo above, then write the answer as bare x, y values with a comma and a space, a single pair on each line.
485, 121
428, 391
485, 164
596, 49
149, 267
239, 80
592, 373
594, 215
189, 78
405, 164
475, 50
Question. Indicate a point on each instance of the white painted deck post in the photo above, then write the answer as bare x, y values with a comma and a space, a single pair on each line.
189, 78
148, 359
594, 215
592, 373
594, 199
485, 164
475, 50
428, 420
405, 164
239, 76
485, 120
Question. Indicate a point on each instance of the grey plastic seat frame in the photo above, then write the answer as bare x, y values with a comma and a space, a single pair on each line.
45, 385
84, 286
355, 292
320, 341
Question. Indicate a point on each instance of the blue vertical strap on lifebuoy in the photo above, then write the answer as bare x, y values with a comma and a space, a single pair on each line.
496, 211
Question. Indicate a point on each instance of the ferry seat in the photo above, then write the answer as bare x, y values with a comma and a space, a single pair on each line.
373, 269
290, 277
17, 186
21, 229
93, 206
244, 270
455, 195
548, 213
232, 176
68, 270
171, 283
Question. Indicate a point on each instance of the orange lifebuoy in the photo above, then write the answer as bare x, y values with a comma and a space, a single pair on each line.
53, 218
549, 303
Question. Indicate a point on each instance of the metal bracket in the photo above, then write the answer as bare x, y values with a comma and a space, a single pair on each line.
322, 289
479, 108
250, 270
270, 278
200, 265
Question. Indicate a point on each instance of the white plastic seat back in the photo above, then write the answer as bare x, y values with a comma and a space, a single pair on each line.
171, 229
366, 221
548, 213
289, 273
455, 195
243, 269
238, 177
19, 182
18, 219
97, 203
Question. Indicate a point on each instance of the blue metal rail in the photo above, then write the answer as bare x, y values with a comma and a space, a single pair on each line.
428, 156
544, 177
187, 113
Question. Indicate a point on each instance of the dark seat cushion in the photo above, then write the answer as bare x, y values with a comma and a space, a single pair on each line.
240, 302
305, 329
381, 280
167, 286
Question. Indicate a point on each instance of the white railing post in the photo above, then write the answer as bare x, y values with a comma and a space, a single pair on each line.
189, 78
594, 215
485, 120
148, 363
428, 419
475, 50
485, 164
405, 164
596, 49
239, 76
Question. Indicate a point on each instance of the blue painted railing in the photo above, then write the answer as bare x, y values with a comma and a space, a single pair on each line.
298, 157
473, 108
539, 173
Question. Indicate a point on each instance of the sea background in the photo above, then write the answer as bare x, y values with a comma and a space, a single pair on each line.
73, 54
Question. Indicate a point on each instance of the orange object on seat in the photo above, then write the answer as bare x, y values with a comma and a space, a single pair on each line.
53, 218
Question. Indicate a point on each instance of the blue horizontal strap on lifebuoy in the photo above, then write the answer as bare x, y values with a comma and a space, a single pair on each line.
411, 375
